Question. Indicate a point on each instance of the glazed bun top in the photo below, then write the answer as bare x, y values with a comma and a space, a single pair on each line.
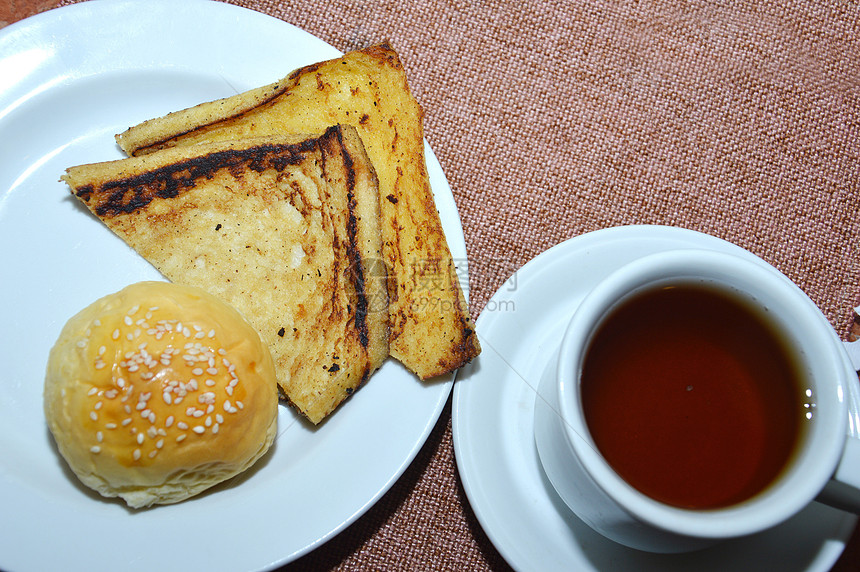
158, 392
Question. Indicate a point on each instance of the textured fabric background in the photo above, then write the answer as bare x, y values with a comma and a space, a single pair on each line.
740, 119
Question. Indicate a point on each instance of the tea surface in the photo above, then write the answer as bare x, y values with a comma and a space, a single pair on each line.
691, 398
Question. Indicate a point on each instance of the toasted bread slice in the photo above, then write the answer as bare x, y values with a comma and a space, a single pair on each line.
285, 230
431, 330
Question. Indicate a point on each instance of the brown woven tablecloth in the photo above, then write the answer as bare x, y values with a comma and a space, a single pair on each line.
740, 119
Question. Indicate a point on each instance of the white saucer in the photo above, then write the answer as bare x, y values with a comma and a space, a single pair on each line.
493, 427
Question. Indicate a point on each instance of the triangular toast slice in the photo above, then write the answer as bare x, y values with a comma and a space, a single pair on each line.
431, 331
285, 230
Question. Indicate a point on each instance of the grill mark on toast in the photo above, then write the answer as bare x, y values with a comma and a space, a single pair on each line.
353, 251
130, 194
277, 91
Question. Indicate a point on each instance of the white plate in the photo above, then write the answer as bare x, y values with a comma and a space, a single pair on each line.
519, 329
69, 80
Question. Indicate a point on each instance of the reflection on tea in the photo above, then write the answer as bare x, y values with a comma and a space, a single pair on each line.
691, 397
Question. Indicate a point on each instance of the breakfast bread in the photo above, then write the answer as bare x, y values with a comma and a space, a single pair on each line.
431, 330
158, 392
284, 229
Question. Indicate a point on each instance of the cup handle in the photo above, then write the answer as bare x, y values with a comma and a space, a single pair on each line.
843, 490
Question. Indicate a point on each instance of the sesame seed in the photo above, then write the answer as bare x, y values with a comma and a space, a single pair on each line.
199, 429
210, 382
211, 333
102, 350
152, 432
126, 421
219, 418
93, 416
159, 444
127, 321
95, 449
166, 397
182, 425
169, 421
208, 422
136, 454
140, 438
215, 429
92, 391
229, 390
227, 405
97, 322
115, 334
197, 371
98, 405
110, 425
240, 405
212, 371
99, 436
153, 453
133, 310
181, 438
82, 343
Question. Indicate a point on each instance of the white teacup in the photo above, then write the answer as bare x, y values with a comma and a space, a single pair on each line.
825, 464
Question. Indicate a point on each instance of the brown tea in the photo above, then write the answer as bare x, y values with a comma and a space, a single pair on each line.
691, 397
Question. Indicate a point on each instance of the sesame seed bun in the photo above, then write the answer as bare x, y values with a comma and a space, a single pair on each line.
158, 392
